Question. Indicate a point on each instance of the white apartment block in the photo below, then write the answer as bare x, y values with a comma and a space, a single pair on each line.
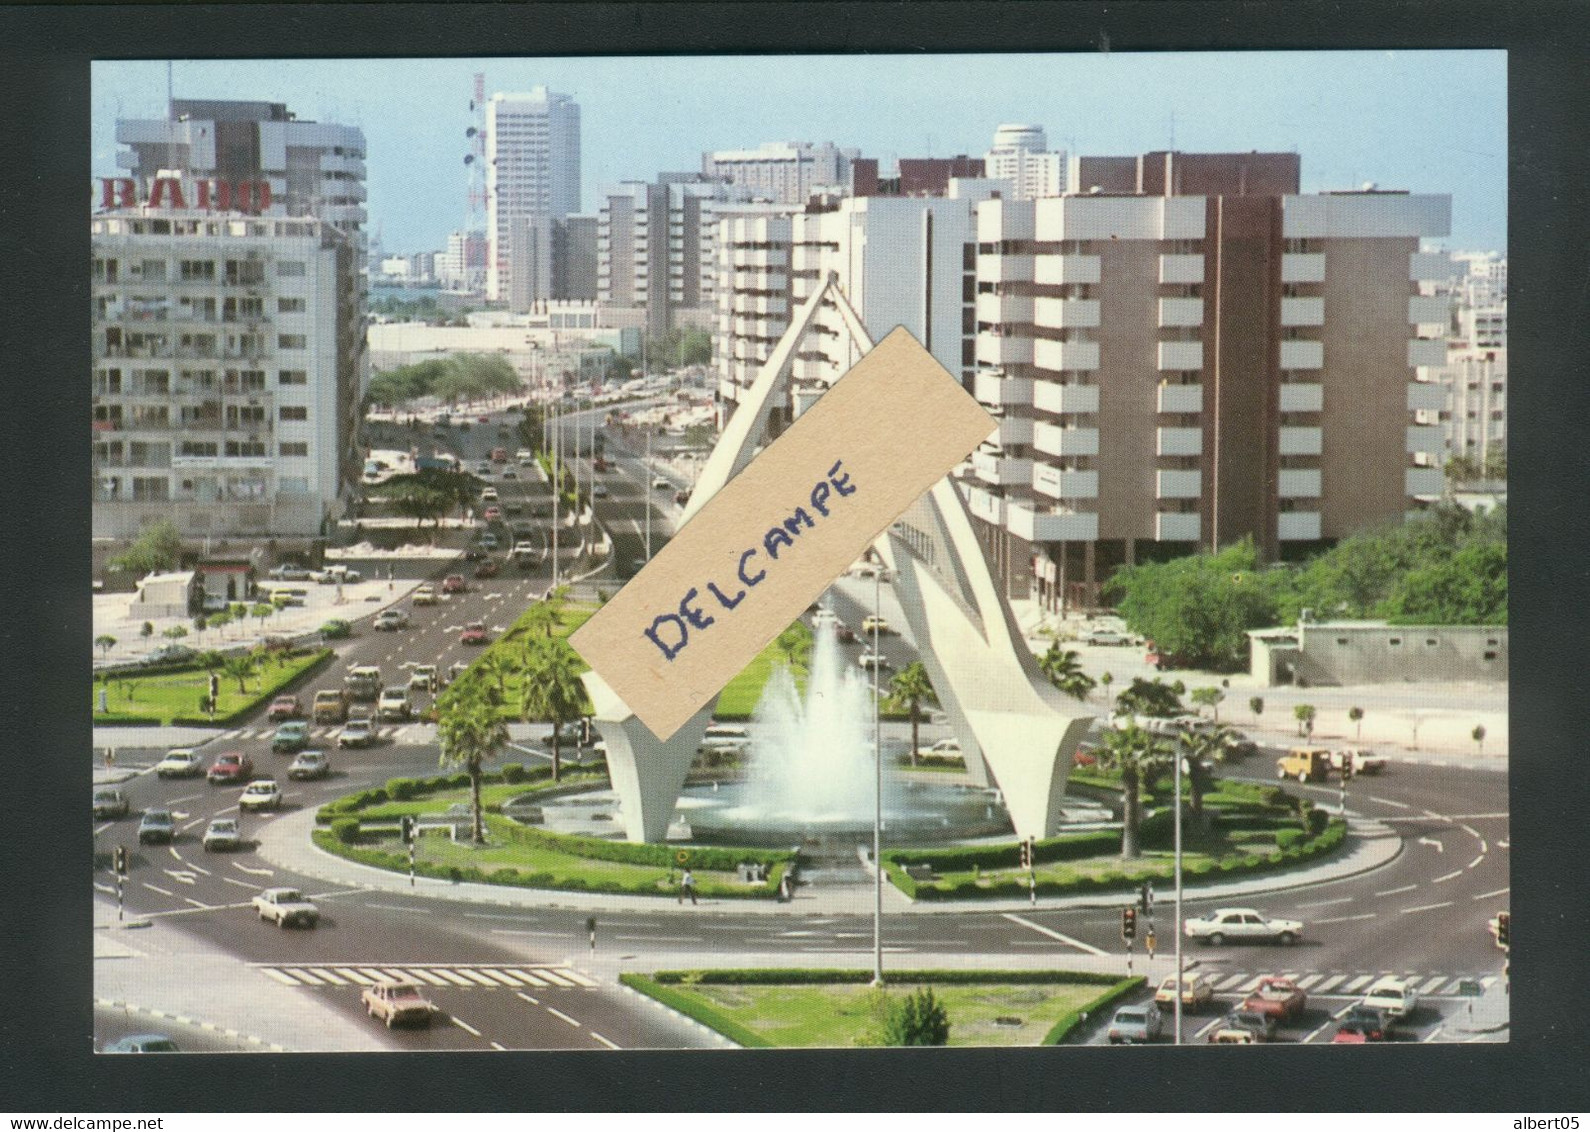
532, 179
781, 172
228, 361
1473, 412
752, 295
1020, 154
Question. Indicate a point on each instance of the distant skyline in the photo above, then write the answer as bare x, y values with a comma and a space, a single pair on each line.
1425, 121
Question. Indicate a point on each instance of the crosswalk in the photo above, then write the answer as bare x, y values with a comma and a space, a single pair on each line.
462, 976
405, 733
1348, 983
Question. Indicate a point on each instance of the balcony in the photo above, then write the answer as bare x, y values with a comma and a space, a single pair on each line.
1429, 267
1302, 355
1426, 438
1300, 441
1303, 312
1061, 484
985, 505
1066, 314
1066, 270
1054, 398
1177, 526
1015, 430
1424, 481
1299, 483
769, 305
1178, 442
1297, 526
1303, 268
996, 389
1057, 441
1428, 395
1051, 526
1181, 355
1001, 470
1429, 310
1181, 312
995, 350
1178, 483
1004, 308
1302, 397
1181, 269
1427, 351
728, 391
1180, 398
1060, 356
1004, 268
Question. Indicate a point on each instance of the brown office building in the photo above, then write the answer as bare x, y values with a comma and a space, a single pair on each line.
1184, 351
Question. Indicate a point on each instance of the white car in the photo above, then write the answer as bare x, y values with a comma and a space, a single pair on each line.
262, 794
423, 678
1106, 637
394, 704
1242, 925
223, 833
489, 495
870, 659
180, 763
286, 906
948, 748
356, 733
1397, 997
425, 594
662, 483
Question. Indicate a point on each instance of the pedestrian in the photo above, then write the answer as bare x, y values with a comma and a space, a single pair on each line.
1032, 888
783, 889
110, 758
1148, 942
687, 886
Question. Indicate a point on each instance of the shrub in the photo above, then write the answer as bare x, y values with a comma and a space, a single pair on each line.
513, 772
346, 830
919, 1019
401, 789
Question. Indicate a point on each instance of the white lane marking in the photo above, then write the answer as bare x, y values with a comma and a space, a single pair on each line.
503, 978
527, 998
1430, 985
280, 976
1389, 802
1353, 986
154, 888
1448, 876
1308, 981
304, 976
175, 856
1431, 1036
560, 1014
579, 979
557, 978
1327, 903
353, 976
105, 888
1428, 907
421, 975
334, 980
453, 977
1314, 1033
1439, 848
1229, 981
531, 978
1347, 919
1251, 985
1489, 895
197, 869
180, 875
242, 883
1503, 843
477, 977
1394, 891
661, 938
462, 1025
499, 1046
604, 1041
197, 903
1475, 861
402, 908
1052, 934
1472, 832
252, 871
1325, 987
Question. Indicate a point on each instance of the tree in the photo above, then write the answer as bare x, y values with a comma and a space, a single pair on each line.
1256, 706
157, 548
239, 668
220, 620
421, 503
1304, 714
1149, 697
470, 732
1495, 467
1478, 735
1468, 587
1198, 608
1138, 756
552, 690
1356, 714
497, 666
175, 632
262, 610
795, 643
200, 624
105, 643
912, 688
1461, 468
1106, 680
918, 1019
1208, 698
1064, 669
1204, 749
545, 617
147, 630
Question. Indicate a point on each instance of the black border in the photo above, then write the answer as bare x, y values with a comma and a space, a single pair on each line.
45, 1023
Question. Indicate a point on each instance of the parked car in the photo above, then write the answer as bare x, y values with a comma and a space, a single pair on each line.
356, 733
1106, 637
474, 634
1241, 925
222, 833
233, 766
180, 762
1370, 1023
1277, 996
662, 483
487, 569
524, 456
944, 748
309, 764
169, 654
424, 594
1232, 1036
1140, 1023
110, 802
336, 630
157, 827
453, 584
394, 704
1261, 1025
1197, 992
1397, 997
142, 1043
599, 491
288, 572
261, 795
509, 473
290, 737
398, 1002
681, 497
287, 907
284, 707
390, 619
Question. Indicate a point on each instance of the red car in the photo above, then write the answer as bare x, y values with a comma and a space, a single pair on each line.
1084, 758
284, 707
1278, 997
474, 634
487, 569
453, 584
234, 766
493, 513
484, 420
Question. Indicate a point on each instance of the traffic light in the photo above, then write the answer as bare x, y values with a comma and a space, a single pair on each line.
1026, 853
1503, 923
408, 829
1347, 765
119, 860
1128, 924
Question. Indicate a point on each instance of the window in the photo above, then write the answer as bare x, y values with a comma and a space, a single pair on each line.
1489, 655
294, 413
291, 341
1430, 642
294, 448
1395, 641
290, 269
290, 306
1341, 640
293, 377
197, 448
197, 269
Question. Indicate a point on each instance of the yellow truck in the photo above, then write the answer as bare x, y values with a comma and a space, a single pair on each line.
1306, 764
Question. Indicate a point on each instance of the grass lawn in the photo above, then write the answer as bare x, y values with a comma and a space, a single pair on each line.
740, 695
159, 697
840, 1015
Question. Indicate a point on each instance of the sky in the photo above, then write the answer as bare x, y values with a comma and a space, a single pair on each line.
1425, 121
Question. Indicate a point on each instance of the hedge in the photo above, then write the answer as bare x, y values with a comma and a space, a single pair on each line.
695, 1009
808, 976
267, 689
1068, 847
631, 853
1071, 1019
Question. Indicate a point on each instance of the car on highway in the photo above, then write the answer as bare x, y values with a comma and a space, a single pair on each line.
1278, 996
1397, 997
394, 703
290, 737
143, 1043
871, 623
222, 833
509, 473
492, 515
391, 619
524, 456
453, 584
869, 659
487, 569
397, 1003
1241, 925
423, 678
424, 594
261, 795
489, 495
1306, 764
1197, 992
110, 802
288, 572
180, 762
1141, 1022
1106, 637
157, 827
169, 654
474, 634
231, 767
331, 706
356, 733
662, 483
1262, 1026
284, 707
336, 630
488, 543
309, 764
599, 491
287, 907
1365, 1024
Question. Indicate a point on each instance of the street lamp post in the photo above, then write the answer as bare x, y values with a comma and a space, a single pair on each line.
877, 796
646, 489
1177, 925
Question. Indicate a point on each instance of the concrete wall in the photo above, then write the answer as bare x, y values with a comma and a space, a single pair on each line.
1330, 654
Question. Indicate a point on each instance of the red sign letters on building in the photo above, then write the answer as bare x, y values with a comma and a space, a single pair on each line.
167, 192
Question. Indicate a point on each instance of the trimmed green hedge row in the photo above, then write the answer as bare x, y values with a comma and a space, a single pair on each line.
807, 976
693, 1008
1067, 847
1073, 1018
282, 682
407, 789
630, 853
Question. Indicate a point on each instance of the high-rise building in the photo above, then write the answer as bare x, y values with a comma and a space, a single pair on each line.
462, 267
783, 172
1020, 154
532, 179
1204, 356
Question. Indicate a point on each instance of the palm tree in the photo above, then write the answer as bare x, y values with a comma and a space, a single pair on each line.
239, 668
546, 616
497, 666
796, 645
912, 687
552, 690
1139, 756
1204, 750
469, 732
105, 642
1064, 670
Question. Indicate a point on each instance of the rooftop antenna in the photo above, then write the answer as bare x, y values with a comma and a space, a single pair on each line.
168, 86
1173, 131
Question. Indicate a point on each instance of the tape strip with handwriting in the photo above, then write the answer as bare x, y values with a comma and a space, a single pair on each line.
774, 538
